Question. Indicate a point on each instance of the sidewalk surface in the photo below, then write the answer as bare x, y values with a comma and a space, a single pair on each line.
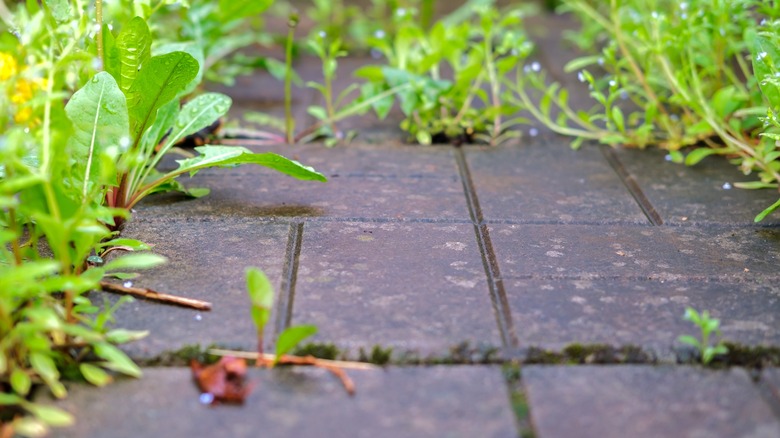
520, 290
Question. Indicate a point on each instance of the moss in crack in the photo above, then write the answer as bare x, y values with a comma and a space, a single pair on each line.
574, 354
319, 350
184, 355
378, 355
518, 399
749, 356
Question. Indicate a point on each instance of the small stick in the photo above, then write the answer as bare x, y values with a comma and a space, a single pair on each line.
334, 367
155, 296
294, 360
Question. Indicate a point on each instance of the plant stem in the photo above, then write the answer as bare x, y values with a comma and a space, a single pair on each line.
292, 23
495, 87
99, 19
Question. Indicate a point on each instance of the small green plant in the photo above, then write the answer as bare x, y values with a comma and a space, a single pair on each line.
708, 327
766, 67
473, 104
261, 294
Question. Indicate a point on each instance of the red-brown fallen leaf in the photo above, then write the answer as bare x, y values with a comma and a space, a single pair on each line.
225, 380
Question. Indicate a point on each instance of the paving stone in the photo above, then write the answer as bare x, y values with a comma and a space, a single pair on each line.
630, 252
396, 402
640, 401
770, 378
546, 181
695, 195
552, 314
207, 261
364, 182
414, 287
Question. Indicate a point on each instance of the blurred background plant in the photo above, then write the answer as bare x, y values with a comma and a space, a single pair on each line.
451, 75
667, 74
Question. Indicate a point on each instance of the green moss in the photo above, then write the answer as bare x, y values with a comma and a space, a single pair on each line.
518, 399
319, 350
575, 354
184, 355
749, 356
377, 356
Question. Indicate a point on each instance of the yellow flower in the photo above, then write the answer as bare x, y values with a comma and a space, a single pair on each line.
8, 66
23, 92
23, 115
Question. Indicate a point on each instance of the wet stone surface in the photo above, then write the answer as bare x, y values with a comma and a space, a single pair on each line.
413, 287
206, 261
770, 379
658, 253
396, 402
544, 180
703, 194
553, 314
417, 183
641, 401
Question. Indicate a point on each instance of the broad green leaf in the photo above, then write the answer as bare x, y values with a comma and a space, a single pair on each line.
690, 340
291, 337
229, 156
727, 100
30, 427
60, 9
122, 336
199, 113
766, 212
196, 51
259, 288
754, 185
159, 81
116, 359
135, 261
7, 399
112, 60
166, 116
696, 155
20, 381
134, 45
50, 415
136, 245
98, 112
95, 375
44, 366
234, 10
766, 59
27, 272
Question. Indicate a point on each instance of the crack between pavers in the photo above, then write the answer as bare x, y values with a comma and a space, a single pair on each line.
633, 186
669, 278
284, 304
498, 296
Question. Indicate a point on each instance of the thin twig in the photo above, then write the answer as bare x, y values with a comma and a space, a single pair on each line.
294, 360
155, 296
334, 367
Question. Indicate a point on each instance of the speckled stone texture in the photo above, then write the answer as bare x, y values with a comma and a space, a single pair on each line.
416, 287
545, 181
703, 194
396, 402
641, 401
206, 260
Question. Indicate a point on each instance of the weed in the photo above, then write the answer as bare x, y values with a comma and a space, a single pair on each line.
460, 108
708, 326
667, 74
